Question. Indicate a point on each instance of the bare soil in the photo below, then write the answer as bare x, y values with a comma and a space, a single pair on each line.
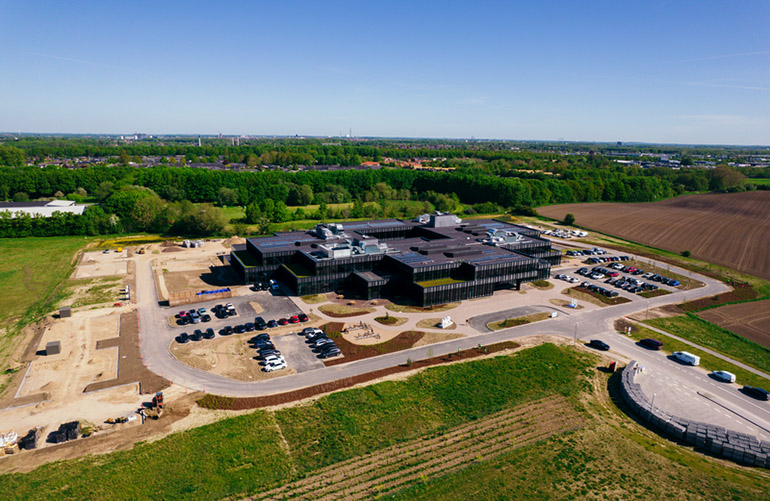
750, 320
738, 224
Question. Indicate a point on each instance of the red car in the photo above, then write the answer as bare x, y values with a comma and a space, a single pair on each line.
294, 320
182, 314
283, 321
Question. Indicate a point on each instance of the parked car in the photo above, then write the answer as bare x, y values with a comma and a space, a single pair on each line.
283, 321
303, 318
758, 393
724, 376
294, 319
249, 326
209, 334
274, 285
650, 343
196, 319
196, 336
260, 323
181, 314
333, 352
226, 331
272, 323
321, 342
201, 311
182, 338
273, 359
598, 344
275, 367
239, 329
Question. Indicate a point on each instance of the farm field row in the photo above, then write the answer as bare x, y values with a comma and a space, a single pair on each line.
750, 320
738, 226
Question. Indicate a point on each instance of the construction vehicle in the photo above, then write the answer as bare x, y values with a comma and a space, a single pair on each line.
156, 407
140, 251
121, 419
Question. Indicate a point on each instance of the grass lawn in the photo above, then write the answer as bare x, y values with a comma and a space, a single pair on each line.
314, 298
390, 320
712, 336
342, 310
407, 308
513, 322
434, 323
541, 284
583, 294
759, 180
439, 281
707, 361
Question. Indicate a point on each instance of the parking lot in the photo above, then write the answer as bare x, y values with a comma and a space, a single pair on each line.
297, 352
273, 306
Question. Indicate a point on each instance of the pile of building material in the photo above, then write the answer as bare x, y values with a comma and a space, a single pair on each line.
9, 443
192, 243
67, 431
29, 441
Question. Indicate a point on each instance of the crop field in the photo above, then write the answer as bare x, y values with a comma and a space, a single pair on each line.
730, 229
750, 320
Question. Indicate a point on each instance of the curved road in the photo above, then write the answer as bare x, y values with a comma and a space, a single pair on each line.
156, 337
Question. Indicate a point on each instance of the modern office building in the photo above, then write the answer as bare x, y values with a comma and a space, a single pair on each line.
433, 259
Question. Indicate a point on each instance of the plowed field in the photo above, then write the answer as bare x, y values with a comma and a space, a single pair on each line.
730, 229
389, 469
750, 320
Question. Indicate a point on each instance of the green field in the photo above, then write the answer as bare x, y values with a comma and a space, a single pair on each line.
711, 336
759, 180
244, 454
607, 456
707, 361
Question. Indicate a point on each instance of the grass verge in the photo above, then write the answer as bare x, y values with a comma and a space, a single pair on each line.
407, 308
541, 284
342, 310
513, 322
707, 361
314, 298
712, 336
389, 320
594, 297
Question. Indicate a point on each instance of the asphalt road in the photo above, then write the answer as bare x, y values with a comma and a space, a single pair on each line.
675, 386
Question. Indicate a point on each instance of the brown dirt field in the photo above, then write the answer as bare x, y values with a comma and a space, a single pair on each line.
228, 356
737, 294
131, 368
388, 469
738, 226
436, 337
583, 294
750, 320
669, 310
231, 403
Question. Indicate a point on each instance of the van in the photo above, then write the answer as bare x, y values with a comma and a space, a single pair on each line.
687, 357
650, 343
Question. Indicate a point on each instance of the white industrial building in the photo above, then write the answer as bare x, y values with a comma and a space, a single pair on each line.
44, 208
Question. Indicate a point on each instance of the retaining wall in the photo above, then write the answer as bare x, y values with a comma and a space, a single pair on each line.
739, 447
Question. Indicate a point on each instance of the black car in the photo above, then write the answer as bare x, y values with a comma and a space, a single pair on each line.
182, 338
261, 336
264, 346
260, 323
239, 329
652, 344
272, 323
206, 317
259, 343
196, 336
598, 344
757, 393
209, 334
266, 352
330, 353
249, 326
226, 331
303, 318
183, 321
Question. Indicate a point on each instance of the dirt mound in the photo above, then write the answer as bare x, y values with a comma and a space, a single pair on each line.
172, 249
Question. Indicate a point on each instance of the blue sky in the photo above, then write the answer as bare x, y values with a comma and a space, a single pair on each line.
658, 71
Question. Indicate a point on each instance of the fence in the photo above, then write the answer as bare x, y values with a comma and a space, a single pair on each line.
186, 297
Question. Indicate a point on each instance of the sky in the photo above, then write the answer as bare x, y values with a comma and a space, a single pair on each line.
663, 71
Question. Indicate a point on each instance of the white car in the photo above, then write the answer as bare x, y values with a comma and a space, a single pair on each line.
727, 377
573, 280
274, 367
274, 359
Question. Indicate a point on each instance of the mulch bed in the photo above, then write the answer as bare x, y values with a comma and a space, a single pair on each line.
403, 341
612, 301
744, 293
130, 369
232, 403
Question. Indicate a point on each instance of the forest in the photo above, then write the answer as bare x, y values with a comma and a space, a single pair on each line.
174, 199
